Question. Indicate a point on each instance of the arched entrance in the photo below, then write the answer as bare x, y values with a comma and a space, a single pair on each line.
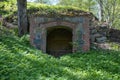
59, 40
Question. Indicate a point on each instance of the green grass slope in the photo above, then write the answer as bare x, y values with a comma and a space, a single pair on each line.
20, 61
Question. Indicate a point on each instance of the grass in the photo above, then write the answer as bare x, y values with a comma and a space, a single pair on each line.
48, 10
20, 61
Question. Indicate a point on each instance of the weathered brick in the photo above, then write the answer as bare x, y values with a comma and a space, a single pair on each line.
78, 25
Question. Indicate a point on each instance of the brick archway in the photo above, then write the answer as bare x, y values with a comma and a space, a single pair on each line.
64, 24
59, 40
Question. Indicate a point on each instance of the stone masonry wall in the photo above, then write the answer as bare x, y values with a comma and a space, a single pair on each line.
98, 35
79, 26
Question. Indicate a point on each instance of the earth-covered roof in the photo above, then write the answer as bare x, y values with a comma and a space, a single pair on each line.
34, 9
47, 10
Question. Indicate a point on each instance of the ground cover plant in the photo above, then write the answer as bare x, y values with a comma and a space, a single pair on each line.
20, 61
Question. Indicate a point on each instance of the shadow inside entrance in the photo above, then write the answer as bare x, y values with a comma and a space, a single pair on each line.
59, 41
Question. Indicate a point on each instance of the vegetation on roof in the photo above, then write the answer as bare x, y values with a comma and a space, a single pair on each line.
10, 8
38, 9
48, 10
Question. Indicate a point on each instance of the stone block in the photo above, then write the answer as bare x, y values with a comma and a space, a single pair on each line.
92, 38
101, 39
93, 31
97, 35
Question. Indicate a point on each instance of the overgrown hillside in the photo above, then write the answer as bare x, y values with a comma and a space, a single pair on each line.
20, 61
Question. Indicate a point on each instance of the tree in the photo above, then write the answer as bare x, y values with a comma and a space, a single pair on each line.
100, 2
109, 11
82, 4
22, 17
89, 5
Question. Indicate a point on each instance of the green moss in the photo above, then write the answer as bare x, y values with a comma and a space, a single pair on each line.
47, 10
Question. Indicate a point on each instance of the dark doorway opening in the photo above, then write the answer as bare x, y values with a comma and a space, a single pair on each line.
59, 41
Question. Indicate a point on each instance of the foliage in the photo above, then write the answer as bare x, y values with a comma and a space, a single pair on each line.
86, 5
110, 12
105, 10
20, 61
7, 7
46, 10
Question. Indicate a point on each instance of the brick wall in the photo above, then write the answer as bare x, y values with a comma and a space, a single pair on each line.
78, 25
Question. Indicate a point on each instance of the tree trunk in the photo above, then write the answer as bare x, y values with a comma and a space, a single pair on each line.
101, 9
22, 17
113, 12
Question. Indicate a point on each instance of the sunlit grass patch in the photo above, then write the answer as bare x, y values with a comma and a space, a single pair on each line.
115, 46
